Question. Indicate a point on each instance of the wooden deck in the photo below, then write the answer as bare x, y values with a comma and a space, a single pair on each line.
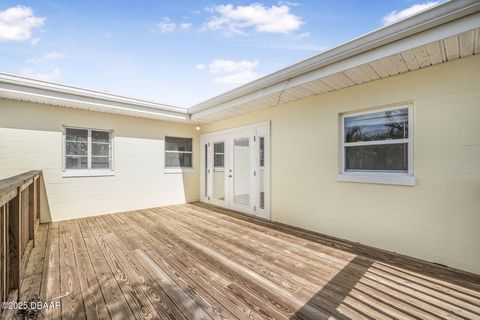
198, 262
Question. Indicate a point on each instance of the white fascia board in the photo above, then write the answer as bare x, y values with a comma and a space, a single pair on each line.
27, 93
441, 14
26, 82
444, 31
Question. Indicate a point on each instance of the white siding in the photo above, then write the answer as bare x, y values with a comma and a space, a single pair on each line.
438, 219
31, 138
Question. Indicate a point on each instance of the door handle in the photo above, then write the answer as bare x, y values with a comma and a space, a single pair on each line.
229, 175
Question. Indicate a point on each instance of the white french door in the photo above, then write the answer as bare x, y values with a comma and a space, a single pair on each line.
235, 169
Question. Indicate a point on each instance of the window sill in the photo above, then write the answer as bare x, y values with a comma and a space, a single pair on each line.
177, 170
87, 173
403, 180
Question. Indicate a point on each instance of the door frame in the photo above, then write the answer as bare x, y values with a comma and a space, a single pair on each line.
210, 184
257, 129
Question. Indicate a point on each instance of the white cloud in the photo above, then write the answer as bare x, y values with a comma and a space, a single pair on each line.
233, 20
303, 35
50, 56
289, 3
397, 15
231, 66
166, 26
231, 71
292, 46
53, 74
16, 23
45, 67
237, 78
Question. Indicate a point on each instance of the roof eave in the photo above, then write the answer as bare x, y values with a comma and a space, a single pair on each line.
26, 89
441, 14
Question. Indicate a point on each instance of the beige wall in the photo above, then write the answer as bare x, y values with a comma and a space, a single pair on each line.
438, 219
31, 138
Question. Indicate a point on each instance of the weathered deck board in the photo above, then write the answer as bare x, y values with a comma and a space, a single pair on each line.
194, 261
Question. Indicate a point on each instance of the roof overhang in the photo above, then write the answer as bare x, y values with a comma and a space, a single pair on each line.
26, 89
446, 32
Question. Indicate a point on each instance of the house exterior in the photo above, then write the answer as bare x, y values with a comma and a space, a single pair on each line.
375, 141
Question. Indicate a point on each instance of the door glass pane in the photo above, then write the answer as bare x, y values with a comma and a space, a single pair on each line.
206, 170
219, 171
261, 173
241, 171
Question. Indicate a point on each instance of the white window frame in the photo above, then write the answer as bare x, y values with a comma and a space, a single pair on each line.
88, 172
177, 169
380, 177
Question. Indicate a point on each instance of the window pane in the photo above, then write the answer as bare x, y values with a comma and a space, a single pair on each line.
178, 144
178, 160
219, 147
75, 162
101, 136
100, 162
206, 170
218, 178
100, 149
218, 154
386, 157
261, 174
262, 151
76, 148
218, 161
385, 125
76, 134
241, 171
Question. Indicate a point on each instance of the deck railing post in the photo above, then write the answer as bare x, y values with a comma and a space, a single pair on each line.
3, 252
32, 208
38, 193
13, 244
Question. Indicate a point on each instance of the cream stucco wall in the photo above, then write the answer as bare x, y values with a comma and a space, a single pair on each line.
438, 219
31, 138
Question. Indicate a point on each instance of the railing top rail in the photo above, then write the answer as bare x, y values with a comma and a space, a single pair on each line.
9, 186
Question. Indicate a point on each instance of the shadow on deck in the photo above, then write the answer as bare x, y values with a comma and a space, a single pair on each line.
195, 261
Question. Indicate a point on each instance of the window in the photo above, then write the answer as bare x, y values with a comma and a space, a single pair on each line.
378, 143
218, 155
178, 152
86, 149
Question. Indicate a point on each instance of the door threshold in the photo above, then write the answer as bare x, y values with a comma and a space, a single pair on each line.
249, 215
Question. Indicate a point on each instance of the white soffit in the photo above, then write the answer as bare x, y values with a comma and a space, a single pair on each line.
457, 38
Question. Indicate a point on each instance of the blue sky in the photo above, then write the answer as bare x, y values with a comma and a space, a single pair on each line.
177, 52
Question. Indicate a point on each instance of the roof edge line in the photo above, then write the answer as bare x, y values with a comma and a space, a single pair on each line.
23, 81
427, 19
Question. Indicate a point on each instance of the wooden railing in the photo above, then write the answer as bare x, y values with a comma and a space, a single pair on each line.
19, 218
